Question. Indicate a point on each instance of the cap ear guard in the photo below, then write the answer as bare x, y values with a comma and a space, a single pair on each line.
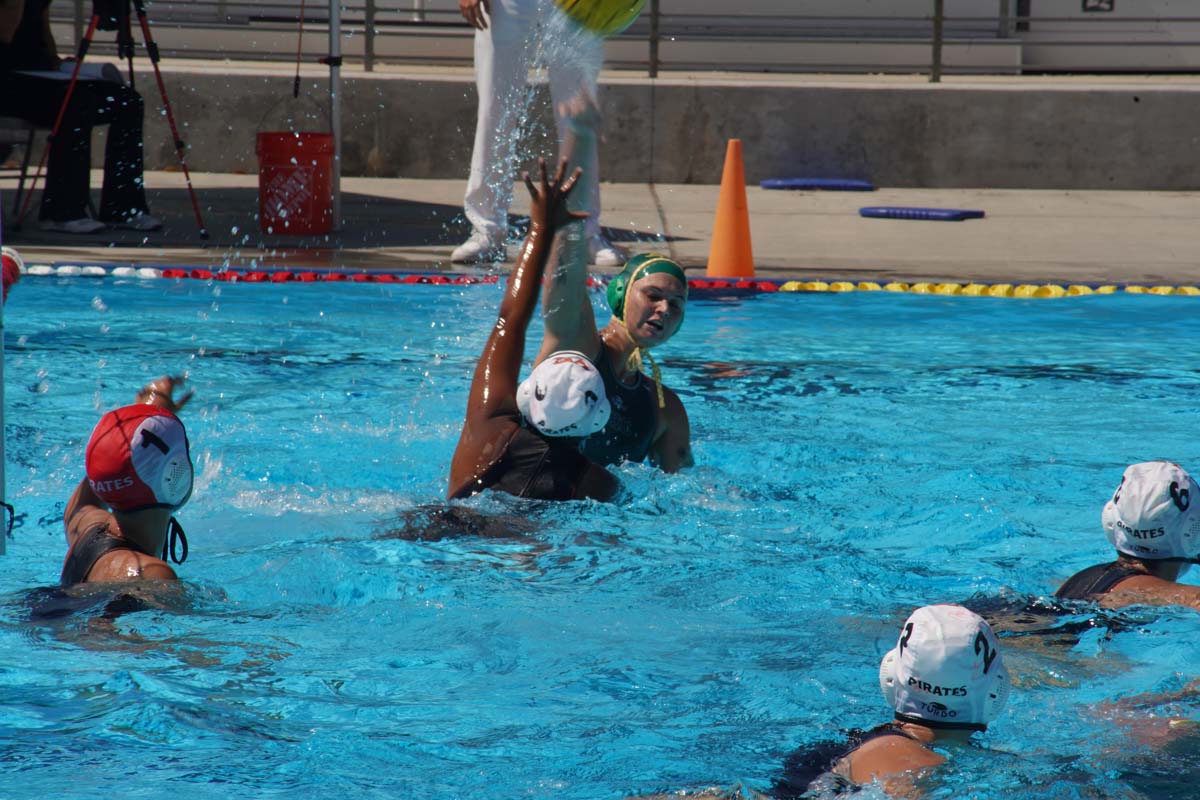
175, 485
887, 676
997, 695
616, 294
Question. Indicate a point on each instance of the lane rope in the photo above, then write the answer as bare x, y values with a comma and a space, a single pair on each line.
1009, 290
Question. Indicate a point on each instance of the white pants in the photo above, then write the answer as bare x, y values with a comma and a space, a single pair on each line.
519, 33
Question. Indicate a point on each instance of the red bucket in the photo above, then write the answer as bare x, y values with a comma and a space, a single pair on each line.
295, 186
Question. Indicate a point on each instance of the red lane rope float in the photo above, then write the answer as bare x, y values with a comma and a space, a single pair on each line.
436, 279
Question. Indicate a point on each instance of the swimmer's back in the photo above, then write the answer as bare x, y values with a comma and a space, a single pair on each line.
829, 764
537, 467
1095, 581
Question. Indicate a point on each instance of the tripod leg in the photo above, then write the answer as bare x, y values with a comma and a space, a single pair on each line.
152, 51
84, 44
125, 40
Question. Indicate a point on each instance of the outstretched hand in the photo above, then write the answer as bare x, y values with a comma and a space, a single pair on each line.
161, 392
548, 199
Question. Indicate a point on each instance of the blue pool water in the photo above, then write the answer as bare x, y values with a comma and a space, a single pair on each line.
859, 455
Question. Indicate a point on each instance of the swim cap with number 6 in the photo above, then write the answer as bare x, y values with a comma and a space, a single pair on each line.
1155, 513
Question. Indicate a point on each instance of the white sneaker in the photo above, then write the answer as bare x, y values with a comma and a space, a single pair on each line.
141, 221
81, 225
480, 247
604, 253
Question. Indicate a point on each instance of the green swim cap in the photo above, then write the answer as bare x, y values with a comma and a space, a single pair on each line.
639, 267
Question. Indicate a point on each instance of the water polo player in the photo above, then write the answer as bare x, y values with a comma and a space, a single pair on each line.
120, 521
1153, 520
647, 299
522, 439
945, 680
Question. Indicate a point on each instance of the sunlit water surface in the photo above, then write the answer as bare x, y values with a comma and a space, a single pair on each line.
858, 456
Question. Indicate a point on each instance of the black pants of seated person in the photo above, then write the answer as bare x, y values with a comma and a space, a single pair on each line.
93, 103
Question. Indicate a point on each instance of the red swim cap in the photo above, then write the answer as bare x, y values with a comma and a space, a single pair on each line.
138, 458
12, 268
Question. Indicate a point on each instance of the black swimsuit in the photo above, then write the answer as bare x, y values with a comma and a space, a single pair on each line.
88, 549
816, 761
1095, 581
536, 467
630, 429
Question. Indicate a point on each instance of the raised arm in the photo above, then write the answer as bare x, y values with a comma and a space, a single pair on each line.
566, 308
490, 420
494, 385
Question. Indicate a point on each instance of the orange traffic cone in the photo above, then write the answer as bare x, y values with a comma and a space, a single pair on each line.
730, 255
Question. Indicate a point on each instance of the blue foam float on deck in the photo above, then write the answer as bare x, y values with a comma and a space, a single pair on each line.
821, 184
933, 214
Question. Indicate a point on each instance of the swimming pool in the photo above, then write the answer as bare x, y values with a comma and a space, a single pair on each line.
859, 455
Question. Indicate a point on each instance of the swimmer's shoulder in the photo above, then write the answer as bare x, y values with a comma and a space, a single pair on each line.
1150, 590
130, 565
881, 756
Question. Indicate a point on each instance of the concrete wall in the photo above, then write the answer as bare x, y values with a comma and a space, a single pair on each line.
1014, 134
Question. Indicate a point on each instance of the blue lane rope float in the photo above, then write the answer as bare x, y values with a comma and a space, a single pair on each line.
732, 288
931, 214
819, 184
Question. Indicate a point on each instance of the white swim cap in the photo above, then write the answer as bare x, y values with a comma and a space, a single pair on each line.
946, 670
1151, 514
564, 396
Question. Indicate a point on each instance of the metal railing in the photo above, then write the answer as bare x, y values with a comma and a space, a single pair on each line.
921, 37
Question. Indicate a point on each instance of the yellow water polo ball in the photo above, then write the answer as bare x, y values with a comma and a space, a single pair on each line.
602, 17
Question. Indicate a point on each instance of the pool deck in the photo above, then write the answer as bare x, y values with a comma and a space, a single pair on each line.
397, 224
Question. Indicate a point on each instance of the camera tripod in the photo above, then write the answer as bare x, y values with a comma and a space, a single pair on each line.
115, 15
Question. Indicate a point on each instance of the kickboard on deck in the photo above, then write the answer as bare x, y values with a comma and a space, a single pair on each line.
933, 214
820, 184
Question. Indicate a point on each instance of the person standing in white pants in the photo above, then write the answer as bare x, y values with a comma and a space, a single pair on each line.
509, 36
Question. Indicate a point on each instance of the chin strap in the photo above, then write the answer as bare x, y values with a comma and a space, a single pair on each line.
175, 536
635, 362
